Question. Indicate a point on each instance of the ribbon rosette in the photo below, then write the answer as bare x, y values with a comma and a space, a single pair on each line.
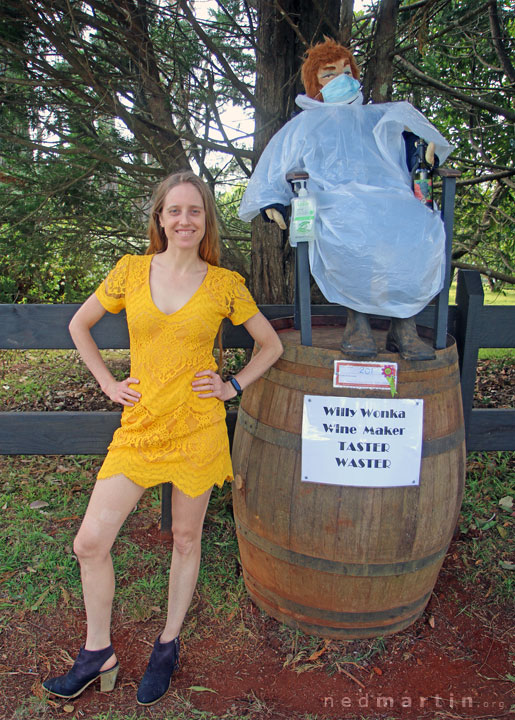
389, 373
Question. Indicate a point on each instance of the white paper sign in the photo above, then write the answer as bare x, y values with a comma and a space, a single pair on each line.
369, 375
365, 442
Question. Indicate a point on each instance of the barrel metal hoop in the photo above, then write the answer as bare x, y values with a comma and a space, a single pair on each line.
339, 633
335, 567
333, 617
293, 441
267, 433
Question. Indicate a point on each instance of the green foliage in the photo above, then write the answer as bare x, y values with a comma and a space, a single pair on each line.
89, 129
453, 45
98, 104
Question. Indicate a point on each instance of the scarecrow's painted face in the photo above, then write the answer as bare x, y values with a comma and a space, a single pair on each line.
331, 70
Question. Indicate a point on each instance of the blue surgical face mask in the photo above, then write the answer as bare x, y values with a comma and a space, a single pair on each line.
339, 89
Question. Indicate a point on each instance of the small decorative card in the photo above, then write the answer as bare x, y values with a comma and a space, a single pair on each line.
365, 375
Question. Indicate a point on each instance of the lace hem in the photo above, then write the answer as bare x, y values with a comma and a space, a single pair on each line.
191, 480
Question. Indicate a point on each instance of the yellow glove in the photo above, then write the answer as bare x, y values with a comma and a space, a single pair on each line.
430, 153
275, 215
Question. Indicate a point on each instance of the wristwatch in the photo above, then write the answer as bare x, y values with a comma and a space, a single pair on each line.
236, 385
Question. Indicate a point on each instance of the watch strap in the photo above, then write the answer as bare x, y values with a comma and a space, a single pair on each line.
236, 385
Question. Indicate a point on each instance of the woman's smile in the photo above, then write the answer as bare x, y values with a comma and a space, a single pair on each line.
183, 217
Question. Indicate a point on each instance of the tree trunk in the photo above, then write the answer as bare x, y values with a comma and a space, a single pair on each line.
377, 84
346, 17
285, 29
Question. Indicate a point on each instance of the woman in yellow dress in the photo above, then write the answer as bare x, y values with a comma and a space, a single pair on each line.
173, 423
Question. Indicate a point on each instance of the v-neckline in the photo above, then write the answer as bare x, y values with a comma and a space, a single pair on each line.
187, 301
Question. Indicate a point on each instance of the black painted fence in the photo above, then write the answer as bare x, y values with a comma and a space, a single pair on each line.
53, 433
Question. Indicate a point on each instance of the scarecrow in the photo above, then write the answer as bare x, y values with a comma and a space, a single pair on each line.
378, 249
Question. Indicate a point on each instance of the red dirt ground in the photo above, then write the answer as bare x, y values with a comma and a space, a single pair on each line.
452, 663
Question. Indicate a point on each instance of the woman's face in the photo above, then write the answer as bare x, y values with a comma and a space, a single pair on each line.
330, 70
183, 217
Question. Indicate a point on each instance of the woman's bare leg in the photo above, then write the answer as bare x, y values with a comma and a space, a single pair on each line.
187, 521
111, 502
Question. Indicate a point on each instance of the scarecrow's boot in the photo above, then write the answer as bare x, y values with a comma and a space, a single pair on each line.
403, 338
358, 340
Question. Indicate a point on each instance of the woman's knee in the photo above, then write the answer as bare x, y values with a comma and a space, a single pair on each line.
185, 541
90, 546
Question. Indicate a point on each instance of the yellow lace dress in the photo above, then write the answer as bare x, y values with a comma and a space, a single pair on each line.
172, 435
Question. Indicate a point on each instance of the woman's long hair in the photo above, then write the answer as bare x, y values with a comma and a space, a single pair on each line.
209, 249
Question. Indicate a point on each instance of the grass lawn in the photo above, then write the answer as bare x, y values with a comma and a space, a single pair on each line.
501, 297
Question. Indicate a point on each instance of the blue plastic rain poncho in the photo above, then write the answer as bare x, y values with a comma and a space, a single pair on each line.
378, 249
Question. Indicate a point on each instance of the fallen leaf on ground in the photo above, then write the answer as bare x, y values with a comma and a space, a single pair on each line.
37, 504
320, 652
506, 502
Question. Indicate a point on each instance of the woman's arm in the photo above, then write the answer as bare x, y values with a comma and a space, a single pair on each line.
270, 350
80, 325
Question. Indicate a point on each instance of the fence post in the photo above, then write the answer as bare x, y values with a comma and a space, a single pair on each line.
469, 307
442, 300
166, 509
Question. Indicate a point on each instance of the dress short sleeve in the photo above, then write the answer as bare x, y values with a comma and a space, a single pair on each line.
111, 291
241, 305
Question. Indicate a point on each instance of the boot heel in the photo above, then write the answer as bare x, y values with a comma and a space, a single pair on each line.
108, 679
85, 670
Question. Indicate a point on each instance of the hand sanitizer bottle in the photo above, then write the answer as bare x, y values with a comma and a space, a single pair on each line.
303, 212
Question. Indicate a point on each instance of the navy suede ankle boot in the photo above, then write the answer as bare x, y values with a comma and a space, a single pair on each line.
85, 670
163, 662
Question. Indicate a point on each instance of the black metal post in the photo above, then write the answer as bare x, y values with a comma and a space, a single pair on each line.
442, 300
303, 295
296, 296
302, 299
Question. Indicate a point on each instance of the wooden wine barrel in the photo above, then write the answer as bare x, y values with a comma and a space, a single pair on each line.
337, 561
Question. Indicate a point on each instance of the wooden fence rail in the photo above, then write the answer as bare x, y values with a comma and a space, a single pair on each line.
46, 326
